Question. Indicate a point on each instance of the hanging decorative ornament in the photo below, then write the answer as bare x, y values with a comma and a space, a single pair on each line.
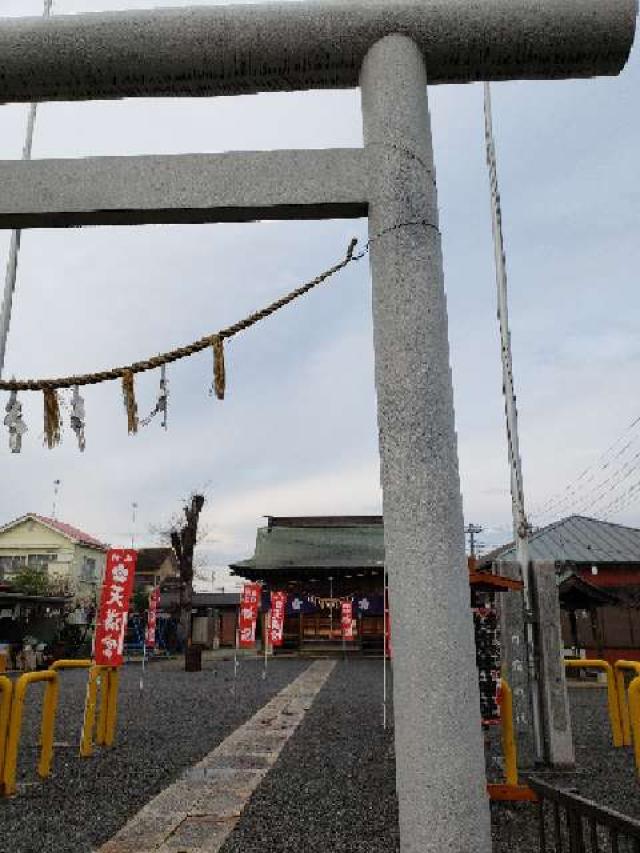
14, 421
77, 417
163, 399
219, 372
161, 405
129, 396
52, 422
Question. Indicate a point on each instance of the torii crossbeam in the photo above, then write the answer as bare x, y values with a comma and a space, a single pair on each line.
389, 48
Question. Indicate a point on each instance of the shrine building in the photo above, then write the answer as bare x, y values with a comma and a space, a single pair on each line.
321, 561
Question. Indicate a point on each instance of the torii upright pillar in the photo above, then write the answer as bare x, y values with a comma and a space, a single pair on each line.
440, 770
389, 48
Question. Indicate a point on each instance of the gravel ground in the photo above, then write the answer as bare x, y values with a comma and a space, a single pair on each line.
180, 717
333, 787
604, 774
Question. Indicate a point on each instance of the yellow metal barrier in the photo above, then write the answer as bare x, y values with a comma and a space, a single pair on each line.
612, 693
71, 664
634, 710
6, 694
620, 666
508, 740
15, 725
112, 707
509, 790
108, 677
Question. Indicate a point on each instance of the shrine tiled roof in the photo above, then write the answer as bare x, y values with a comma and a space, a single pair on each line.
331, 542
577, 539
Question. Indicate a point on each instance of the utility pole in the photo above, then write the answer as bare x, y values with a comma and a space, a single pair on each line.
14, 245
472, 531
521, 528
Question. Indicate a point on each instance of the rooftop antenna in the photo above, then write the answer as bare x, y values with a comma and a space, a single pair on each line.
134, 507
14, 245
56, 489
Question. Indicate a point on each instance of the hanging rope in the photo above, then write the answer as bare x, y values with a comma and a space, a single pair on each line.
180, 352
127, 373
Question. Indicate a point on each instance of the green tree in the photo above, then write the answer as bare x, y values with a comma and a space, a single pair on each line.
31, 581
140, 601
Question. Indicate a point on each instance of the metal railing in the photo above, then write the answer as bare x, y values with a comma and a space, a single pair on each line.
106, 679
15, 726
569, 823
620, 667
612, 693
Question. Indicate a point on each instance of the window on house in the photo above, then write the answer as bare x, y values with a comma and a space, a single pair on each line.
40, 562
89, 570
11, 565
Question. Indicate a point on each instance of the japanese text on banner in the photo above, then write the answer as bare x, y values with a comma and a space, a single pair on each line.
114, 606
152, 618
278, 608
347, 620
249, 614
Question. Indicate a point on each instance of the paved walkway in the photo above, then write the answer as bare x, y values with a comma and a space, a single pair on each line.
199, 811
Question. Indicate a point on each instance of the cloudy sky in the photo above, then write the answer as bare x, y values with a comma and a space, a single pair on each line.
297, 434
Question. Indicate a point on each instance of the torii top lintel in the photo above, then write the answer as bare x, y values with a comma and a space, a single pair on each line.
319, 44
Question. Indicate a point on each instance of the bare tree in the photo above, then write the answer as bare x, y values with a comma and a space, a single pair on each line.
184, 537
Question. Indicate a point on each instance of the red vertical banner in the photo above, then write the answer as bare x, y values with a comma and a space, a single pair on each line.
347, 620
278, 608
249, 615
152, 617
114, 606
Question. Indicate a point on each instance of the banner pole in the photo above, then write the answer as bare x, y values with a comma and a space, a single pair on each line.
267, 624
144, 654
235, 664
384, 651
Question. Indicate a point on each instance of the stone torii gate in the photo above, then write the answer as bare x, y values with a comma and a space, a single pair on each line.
390, 48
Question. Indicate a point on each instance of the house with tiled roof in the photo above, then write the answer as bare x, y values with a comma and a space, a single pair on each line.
72, 560
155, 567
598, 573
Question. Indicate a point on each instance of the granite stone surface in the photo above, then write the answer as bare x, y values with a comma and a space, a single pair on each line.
241, 49
440, 773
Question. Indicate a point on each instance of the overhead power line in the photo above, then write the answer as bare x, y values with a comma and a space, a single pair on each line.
588, 481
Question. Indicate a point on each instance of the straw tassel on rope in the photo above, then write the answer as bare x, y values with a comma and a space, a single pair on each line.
129, 396
219, 372
126, 373
51, 417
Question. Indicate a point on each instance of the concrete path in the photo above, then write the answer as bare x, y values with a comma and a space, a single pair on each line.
199, 811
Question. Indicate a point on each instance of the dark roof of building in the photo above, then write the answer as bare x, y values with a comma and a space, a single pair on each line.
577, 539
20, 597
216, 599
324, 521
576, 593
317, 543
201, 599
150, 559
